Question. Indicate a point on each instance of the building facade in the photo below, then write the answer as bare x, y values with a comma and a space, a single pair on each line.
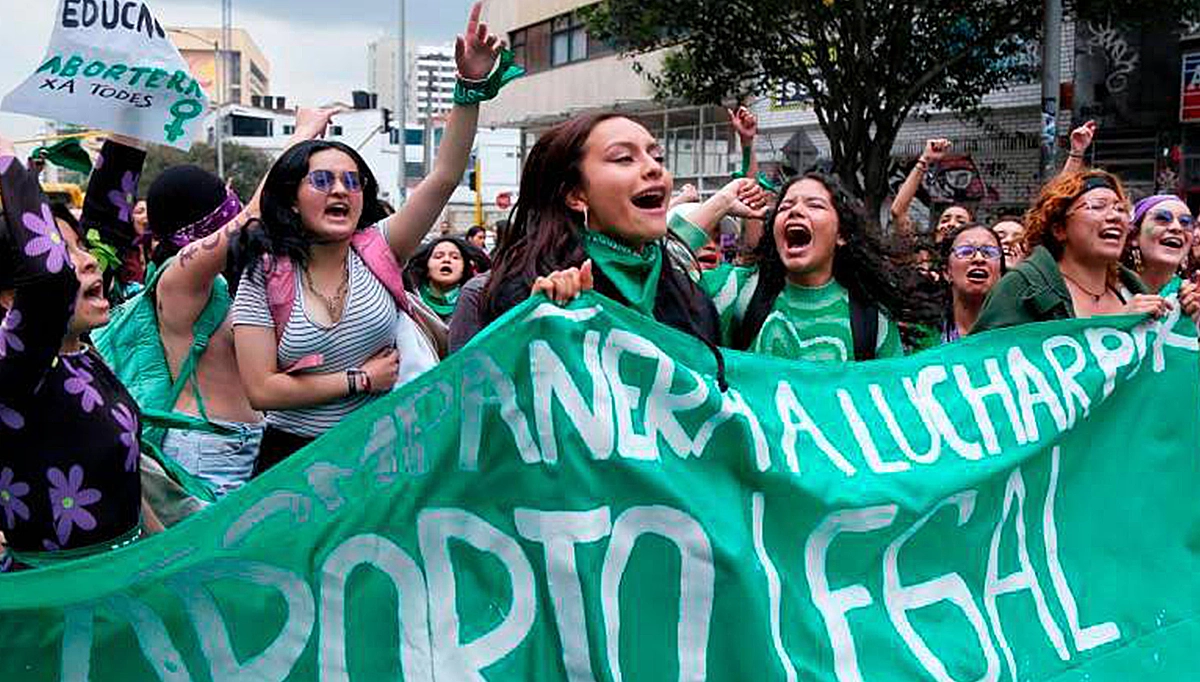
568, 72
247, 68
430, 77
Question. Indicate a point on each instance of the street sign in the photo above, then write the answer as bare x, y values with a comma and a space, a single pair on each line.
504, 200
1189, 96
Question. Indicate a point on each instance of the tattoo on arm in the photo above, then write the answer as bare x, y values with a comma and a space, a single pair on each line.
211, 242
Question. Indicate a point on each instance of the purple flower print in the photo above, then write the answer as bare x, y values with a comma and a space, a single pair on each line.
125, 198
80, 384
50, 546
11, 493
11, 418
48, 241
68, 498
5, 162
128, 422
8, 333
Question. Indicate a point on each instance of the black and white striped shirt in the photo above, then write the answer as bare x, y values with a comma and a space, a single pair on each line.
367, 326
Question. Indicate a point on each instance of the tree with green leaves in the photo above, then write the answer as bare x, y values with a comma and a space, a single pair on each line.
244, 166
865, 65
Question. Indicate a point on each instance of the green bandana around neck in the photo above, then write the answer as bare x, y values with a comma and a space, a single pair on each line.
634, 274
442, 304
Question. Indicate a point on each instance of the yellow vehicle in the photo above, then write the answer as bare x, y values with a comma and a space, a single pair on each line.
68, 193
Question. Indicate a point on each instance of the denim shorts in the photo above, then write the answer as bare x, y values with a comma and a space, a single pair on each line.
224, 461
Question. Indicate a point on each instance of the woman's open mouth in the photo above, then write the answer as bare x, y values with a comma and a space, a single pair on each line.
338, 210
978, 275
654, 199
797, 236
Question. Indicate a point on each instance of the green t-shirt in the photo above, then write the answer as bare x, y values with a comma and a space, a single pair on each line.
804, 324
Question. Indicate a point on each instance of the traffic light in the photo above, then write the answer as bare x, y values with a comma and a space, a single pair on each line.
387, 119
473, 180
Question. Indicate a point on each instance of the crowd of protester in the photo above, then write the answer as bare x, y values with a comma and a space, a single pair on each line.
243, 333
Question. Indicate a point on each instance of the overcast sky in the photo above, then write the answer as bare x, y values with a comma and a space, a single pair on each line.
317, 53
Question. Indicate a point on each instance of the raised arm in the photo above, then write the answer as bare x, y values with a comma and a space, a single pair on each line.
475, 53
1081, 139
111, 197
35, 258
934, 151
752, 195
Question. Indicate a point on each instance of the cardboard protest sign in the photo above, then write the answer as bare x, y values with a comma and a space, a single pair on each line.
573, 497
110, 65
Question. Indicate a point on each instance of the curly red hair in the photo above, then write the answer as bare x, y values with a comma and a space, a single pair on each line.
1049, 210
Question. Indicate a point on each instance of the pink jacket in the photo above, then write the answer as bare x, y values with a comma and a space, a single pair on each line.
371, 247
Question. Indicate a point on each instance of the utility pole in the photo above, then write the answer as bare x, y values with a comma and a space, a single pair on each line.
478, 187
1051, 76
428, 136
222, 69
401, 108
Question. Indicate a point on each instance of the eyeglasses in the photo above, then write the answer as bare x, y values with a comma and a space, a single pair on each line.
968, 251
1162, 217
1101, 206
323, 181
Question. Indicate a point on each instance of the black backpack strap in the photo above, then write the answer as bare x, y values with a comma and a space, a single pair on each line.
864, 328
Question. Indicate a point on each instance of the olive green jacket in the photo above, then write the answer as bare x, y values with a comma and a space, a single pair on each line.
1034, 291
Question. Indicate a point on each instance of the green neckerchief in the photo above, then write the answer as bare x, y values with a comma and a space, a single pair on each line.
473, 92
635, 275
442, 304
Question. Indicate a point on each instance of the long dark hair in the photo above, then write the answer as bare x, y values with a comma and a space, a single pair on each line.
945, 247
416, 273
863, 265
280, 231
543, 233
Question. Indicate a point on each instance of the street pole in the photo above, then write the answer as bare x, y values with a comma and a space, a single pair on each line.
1051, 76
401, 105
478, 190
218, 132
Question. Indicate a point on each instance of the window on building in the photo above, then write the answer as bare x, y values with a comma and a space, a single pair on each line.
569, 40
414, 169
288, 130
250, 126
335, 131
414, 136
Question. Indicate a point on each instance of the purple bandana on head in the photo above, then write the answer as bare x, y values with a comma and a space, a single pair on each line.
1143, 207
210, 223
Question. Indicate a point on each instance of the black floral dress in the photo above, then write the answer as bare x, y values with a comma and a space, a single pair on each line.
69, 431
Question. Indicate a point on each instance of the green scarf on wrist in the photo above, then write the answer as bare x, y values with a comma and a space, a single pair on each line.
634, 274
442, 304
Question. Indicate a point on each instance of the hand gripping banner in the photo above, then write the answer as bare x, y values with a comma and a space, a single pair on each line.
573, 498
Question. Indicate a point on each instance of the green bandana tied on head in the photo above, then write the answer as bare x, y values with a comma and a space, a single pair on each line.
634, 274
442, 304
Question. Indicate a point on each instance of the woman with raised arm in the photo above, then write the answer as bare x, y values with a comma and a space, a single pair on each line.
69, 464
951, 217
1160, 240
315, 317
1075, 234
823, 287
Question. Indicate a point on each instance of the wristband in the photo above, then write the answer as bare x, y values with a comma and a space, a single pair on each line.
367, 381
469, 91
352, 379
1076, 155
763, 180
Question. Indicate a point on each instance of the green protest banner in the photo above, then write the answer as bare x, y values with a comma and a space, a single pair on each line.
573, 497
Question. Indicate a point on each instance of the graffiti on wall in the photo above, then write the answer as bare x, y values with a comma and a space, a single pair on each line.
1121, 57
